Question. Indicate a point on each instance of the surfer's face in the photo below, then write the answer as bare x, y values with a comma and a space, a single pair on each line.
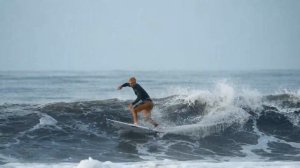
132, 83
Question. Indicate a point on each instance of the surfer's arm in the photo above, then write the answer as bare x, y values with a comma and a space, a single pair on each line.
124, 85
136, 100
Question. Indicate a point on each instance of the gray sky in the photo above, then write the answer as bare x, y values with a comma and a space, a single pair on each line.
149, 35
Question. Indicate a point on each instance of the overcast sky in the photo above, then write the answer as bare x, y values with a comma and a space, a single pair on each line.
149, 34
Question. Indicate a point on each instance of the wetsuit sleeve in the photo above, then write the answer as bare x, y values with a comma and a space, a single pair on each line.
136, 100
125, 85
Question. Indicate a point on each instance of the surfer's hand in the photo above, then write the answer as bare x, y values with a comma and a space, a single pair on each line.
130, 106
120, 87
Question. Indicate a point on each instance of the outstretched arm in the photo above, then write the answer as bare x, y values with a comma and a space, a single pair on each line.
124, 85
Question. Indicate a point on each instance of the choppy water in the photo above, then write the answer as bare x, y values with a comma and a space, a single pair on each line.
211, 119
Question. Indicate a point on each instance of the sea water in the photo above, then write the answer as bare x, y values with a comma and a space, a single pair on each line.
210, 118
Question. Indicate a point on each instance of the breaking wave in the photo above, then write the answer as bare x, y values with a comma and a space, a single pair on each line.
220, 124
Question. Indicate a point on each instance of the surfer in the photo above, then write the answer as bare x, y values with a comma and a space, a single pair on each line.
143, 102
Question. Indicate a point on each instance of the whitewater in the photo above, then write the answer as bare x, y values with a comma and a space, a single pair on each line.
210, 118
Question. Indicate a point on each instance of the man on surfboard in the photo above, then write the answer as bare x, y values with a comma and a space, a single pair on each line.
143, 102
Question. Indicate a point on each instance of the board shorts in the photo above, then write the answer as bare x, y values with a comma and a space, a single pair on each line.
144, 105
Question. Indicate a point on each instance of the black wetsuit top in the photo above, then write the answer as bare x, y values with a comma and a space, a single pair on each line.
139, 91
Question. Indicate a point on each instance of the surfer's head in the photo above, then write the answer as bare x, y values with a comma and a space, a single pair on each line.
132, 81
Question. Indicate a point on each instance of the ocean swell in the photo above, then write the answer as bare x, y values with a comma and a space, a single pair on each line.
214, 125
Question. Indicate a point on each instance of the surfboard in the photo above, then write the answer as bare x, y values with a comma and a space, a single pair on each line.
132, 128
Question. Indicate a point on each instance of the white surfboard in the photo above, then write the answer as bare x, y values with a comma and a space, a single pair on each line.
131, 127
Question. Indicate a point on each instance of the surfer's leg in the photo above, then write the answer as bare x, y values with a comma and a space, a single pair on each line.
147, 117
134, 112
134, 116
147, 113
146, 107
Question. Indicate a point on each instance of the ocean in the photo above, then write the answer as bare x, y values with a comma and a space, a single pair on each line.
211, 119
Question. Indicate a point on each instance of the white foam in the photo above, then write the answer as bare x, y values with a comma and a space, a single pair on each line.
251, 98
215, 121
220, 111
91, 163
295, 93
45, 120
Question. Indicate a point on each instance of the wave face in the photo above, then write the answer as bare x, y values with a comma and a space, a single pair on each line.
219, 123
215, 125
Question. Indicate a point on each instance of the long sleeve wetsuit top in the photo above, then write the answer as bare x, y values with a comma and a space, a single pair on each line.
139, 91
